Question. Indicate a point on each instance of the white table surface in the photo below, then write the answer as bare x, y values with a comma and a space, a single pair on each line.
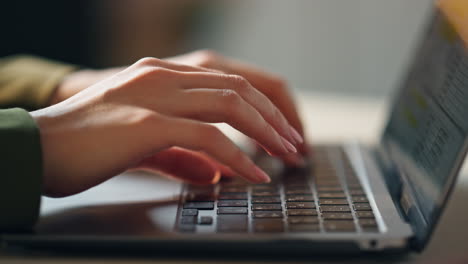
330, 118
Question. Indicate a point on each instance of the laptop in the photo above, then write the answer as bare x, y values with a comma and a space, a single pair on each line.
349, 199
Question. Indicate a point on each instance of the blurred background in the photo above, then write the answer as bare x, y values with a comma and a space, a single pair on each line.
352, 47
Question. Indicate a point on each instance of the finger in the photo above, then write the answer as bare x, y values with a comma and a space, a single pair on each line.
271, 86
225, 170
185, 165
213, 105
260, 79
293, 159
251, 95
206, 138
154, 62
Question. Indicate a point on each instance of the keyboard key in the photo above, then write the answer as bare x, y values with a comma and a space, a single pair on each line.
188, 220
267, 214
189, 212
300, 198
205, 220
232, 223
360, 199
198, 197
328, 181
339, 226
329, 184
356, 186
200, 192
264, 200
267, 207
356, 192
303, 220
367, 222
232, 203
265, 193
335, 195
232, 182
335, 208
362, 207
304, 228
268, 225
264, 188
298, 191
300, 205
337, 216
333, 202
330, 189
301, 212
233, 196
295, 180
199, 205
296, 185
234, 189
364, 214
232, 210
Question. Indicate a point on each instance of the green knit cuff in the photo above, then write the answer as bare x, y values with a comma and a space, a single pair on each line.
20, 170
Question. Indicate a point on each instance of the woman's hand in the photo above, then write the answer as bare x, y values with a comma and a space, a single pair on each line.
154, 114
272, 86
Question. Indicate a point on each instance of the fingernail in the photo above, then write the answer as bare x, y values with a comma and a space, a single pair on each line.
297, 137
289, 147
261, 175
216, 177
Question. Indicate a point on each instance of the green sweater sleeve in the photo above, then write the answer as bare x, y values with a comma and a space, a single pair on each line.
20, 170
28, 81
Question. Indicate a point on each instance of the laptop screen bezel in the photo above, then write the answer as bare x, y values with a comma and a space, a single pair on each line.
422, 229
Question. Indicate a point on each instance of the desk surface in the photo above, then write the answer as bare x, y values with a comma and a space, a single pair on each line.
334, 119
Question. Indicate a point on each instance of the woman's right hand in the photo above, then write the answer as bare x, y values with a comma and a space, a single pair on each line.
160, 110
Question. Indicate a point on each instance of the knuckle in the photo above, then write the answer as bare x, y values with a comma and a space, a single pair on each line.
266, 128
147, 61
231, 100
143, 117
240, 83
276, 113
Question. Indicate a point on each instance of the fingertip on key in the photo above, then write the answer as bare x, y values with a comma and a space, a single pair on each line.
261, 175
297, 137
289, 147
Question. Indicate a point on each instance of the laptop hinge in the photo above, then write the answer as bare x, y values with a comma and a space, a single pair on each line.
394, 183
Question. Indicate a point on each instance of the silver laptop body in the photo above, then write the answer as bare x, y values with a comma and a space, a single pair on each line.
408, 179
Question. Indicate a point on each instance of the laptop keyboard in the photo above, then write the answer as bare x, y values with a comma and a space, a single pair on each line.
325, 197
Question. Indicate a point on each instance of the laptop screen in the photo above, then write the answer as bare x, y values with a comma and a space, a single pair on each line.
428, 127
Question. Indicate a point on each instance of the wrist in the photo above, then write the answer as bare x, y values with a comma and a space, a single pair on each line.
72, 84
78, 81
